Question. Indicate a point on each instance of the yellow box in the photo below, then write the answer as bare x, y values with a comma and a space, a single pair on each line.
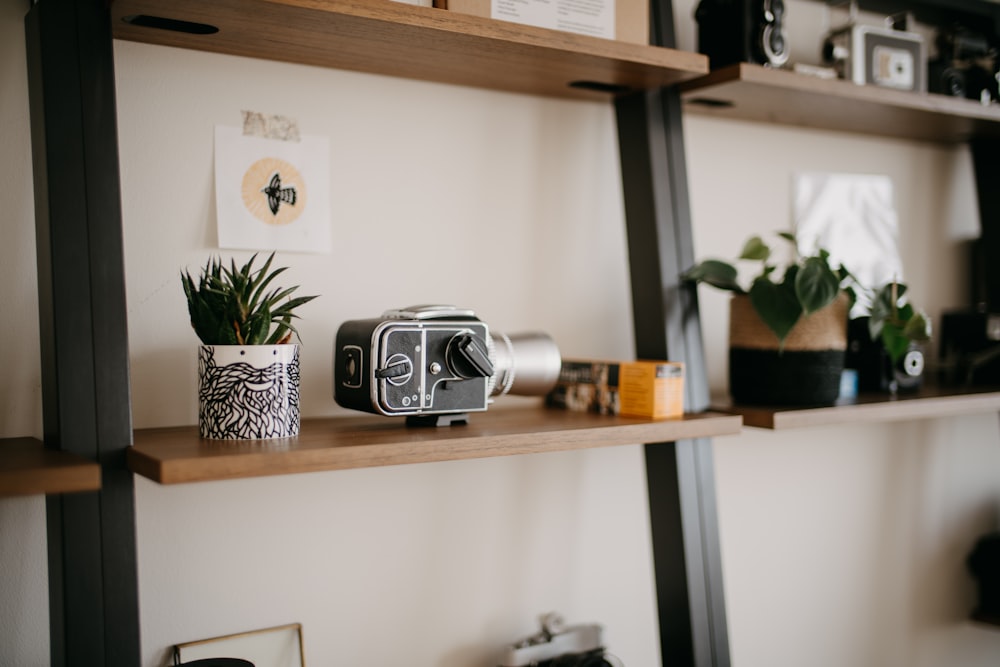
631, 16
652, 389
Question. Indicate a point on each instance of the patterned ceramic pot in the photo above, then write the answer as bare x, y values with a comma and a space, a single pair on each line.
248, 392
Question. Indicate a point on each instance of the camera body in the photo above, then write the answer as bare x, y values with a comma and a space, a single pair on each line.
436, 360
558, 646
870, 55
733, 31
967, 65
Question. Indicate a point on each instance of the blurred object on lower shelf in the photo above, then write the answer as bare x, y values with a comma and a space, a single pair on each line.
559, 645
280, 646
984, 564
875, 370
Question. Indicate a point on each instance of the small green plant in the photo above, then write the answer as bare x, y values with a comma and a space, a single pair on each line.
806, 285
231, 306
895, 322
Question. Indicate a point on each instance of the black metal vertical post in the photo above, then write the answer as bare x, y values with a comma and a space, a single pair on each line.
680, 475
93, 587
986, 162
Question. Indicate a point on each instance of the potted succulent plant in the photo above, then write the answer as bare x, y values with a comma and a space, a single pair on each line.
248, 368
788, 329
886, 345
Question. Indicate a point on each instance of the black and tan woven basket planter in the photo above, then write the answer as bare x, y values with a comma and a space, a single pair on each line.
807, 372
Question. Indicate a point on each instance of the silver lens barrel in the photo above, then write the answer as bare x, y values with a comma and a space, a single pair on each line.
526, 364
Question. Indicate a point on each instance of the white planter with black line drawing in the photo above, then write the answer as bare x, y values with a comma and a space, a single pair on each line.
248, 392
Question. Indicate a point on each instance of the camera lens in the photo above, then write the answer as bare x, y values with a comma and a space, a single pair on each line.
526, 364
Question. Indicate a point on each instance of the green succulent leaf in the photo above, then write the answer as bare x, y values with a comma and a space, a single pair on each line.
232, 305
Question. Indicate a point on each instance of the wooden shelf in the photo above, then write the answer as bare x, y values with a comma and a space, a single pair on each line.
175, 455
752, 92
27, 468
384, 37
927, 403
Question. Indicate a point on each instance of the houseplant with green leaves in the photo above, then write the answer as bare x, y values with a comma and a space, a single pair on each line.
887, 341
248, 365
788, 327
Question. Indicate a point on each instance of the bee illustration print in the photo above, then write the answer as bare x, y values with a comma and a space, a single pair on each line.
274, 191
277, 194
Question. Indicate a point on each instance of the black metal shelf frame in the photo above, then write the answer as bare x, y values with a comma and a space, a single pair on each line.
92, 551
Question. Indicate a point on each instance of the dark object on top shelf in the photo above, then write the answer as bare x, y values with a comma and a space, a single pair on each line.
734, 31
876, 371
557, 645
984, 564
424, 361
216, 662
966, 65
970, 348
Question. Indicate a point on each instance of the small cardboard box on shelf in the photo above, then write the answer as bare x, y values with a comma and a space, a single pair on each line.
651, 389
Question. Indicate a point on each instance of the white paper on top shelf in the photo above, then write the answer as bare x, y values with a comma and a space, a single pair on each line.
585, 17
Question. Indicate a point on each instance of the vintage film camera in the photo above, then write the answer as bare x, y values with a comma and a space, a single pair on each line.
889, 56
733, 31
966, 65
428, 361
559, 646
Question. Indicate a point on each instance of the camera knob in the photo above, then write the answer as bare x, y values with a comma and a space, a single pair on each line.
468, 356
398, 370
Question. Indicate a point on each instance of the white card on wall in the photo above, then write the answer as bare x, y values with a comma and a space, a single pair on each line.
272, 194
853, 216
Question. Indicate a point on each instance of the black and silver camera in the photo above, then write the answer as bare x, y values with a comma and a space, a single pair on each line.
734, 31
966, 65
426, 361
889, 56
557, 645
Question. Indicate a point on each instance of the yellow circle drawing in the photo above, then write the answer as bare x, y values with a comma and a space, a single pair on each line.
273, 191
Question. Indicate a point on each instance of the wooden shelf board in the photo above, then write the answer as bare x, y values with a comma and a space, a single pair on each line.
27, 467
176, 455
752, 92
384, 37
929, 402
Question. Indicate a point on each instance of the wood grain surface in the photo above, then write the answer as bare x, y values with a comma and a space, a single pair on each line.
752, 92
27, 468
174, 455
424, 43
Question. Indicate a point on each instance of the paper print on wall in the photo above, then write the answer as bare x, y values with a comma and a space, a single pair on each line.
854, 217
272, 194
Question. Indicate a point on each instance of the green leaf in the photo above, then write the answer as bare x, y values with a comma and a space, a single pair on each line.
895, 341
777, 307
755, 249
918, 327
816, 285
715, 273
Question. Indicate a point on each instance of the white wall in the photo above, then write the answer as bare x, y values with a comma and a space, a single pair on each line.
841, 546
